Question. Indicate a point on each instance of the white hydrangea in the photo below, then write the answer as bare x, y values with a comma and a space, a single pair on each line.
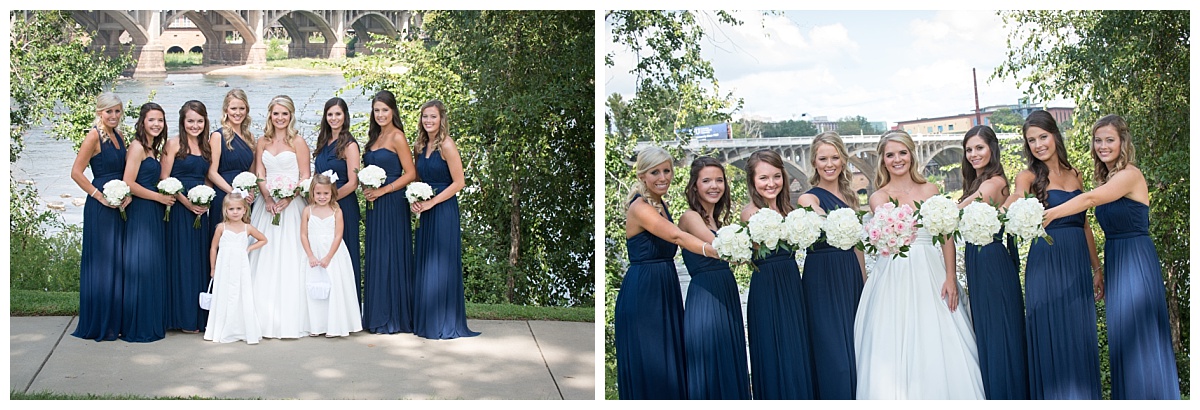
201, 195
170, 186
766, 228
980, 222
1024, 219
418, 191
801, 228
939, 216
372, 176
842, 228
733, 244
246, 181
115, 191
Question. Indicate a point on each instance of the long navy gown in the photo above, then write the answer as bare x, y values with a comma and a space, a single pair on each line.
1060, 314
1139, 332
439, 308
388, 271
143, 318
100, 275
780, 357
714, 335
833, 283
648, 323
326, 160
187, 251
233, 162
998, 318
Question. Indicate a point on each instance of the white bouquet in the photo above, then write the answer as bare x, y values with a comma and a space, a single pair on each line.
733, 243
169, 186
373, 177
281, 187
246, 181
979, 223
115, 192
939, 216
305, 186
891, 230
842, 229
417, 192
801, 228
201, 195
1024, 219
766, 229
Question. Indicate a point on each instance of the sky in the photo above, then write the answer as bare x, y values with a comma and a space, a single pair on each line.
884, 65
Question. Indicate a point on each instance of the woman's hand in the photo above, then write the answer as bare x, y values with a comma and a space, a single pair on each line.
371, 194
164, 199
422, 206
950, 294
1098, 283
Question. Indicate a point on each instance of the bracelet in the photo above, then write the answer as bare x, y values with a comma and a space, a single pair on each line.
704, 249
94, 191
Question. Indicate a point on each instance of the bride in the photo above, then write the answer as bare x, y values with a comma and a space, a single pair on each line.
280, 295
912, 335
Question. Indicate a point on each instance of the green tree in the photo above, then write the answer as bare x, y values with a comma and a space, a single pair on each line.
1133, 63
789, 128
1006, 117
856, 125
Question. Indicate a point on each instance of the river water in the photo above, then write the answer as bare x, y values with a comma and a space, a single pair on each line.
47, 161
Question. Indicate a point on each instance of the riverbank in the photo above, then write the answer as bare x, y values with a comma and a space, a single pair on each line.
257, 69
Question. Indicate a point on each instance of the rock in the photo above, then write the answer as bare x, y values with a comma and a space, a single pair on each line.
222, 84
78, 201
26, 181
64, 196
56, 205
168, 83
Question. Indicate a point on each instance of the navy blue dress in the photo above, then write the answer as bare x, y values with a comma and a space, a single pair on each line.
187, 251
388, 271
648, 323
326, 160
440, 310
780, 357
233, 162
833, 283
100, 274
714, 335
1060, 314
143, 316
998, 318
1139, 332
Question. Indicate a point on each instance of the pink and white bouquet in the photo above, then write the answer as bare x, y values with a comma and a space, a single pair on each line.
766, 230
891, 230
201, 195
115, 192
843, 229
939, 216
169, 186
802, 228
281, 187
416, 192
1024, 219
733, 244
372, 176
979, 224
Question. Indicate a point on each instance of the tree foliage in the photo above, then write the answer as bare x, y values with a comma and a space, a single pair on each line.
789, 128
1134, 63
1006, 117
856, 125
519, 89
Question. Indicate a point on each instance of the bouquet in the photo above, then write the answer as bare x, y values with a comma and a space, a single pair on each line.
802, 228
304, 187
373, 177
169, 186
891, 230
939, 216
843, 229
733, 243
766, 229
417, 192
246, 181
115, 192
1024, 219
281, 187
201, 195
980, 222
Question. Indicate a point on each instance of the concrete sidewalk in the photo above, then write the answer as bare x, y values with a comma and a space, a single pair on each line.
510, 360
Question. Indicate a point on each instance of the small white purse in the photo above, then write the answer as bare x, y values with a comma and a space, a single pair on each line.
206, 297
318, 283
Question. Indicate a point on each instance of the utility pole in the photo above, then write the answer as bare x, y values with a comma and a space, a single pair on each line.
978, 121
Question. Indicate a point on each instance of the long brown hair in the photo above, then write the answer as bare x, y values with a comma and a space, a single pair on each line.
205, 151
721, 212
387, 98
423, 137
783, 201
971, 181
1041, 172
152, 146
1124, 158
833, 139
344, 139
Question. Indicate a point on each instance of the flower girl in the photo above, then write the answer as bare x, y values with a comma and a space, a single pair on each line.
232, 315
332, 297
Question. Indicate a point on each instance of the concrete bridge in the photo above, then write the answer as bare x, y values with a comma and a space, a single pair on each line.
933, 151
237, 37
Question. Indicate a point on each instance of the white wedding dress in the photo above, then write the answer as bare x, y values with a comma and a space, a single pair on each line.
280, 295
908, 345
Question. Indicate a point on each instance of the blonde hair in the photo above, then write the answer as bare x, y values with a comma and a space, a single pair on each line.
1124, 158
242, 131
226, 203
844, 178
269, 130
649, 157
423, 137
322, 179
882, 177
105, 101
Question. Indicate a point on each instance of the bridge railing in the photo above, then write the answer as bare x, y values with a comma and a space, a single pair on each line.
800, 141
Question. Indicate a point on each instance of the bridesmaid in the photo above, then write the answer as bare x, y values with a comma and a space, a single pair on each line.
388, 272
1060, 313
232, 148
833, 278
337, 150
714, 336
780, 358
187, 159
648, 318
997, 306
143, 318
1139, 333
439, 306
100, 274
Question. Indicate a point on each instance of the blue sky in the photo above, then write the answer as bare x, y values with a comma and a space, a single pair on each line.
884, 65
